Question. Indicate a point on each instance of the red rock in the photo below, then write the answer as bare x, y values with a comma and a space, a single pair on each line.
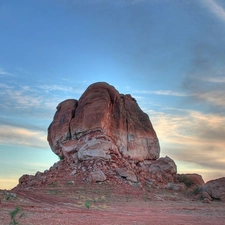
196, 179
164, 169
97, 176
59, 129
129, 175
215, 189
103, 117
102, 135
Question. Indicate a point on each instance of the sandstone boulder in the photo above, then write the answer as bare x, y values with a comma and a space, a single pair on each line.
215, 189
164, 169
59, 129
195, 179
100, 123
124, 173
97, 176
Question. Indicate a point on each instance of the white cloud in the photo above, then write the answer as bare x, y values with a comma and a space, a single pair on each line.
192, 138
215, 8
5, 73
164, 92
215, 97
48, 88
27, 98
21, 136
215, 79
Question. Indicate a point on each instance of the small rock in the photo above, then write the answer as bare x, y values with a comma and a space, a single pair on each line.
73, 172
206, 200
129, 175
97, 176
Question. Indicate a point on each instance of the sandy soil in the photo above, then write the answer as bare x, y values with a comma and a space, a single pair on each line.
110, 204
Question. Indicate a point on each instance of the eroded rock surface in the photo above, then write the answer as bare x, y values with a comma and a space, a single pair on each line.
214, 189
104, 136
100, 123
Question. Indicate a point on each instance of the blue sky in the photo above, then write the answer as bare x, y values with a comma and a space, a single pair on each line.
168, 54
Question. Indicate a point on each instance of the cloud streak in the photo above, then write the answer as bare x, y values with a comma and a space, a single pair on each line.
215, 8
164, 92
192, 137
21, 136
5, 73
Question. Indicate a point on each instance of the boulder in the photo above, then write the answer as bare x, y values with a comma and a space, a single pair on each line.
163, 170
59, 129
129, 175
195, 179
97, 176
105, 120
214, 189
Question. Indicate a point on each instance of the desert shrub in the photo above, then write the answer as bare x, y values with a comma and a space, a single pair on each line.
9, 195
184, 179
61, 157
13, 215
88, 204
53, 184
196, 190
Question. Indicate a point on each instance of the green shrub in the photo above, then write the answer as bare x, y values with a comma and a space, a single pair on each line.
13, 215
88, 204
53, 184
196, 190
184, 179
61, 157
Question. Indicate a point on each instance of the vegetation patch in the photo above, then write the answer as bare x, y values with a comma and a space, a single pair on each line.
184, 179
15, 215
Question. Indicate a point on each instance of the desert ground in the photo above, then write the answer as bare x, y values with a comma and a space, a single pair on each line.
106, 203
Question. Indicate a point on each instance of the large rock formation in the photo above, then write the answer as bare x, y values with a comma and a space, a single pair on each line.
101, 123
104, 136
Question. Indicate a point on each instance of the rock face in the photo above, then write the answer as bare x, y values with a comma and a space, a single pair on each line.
104, 136
214, 189
101, 123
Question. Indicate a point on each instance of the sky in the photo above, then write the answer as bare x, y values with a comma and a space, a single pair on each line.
168, 54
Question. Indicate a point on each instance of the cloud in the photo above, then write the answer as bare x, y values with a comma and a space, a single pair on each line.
27, 99
5, 73
163, 92
115, 2
49, 88
215, 97
192, 138
217, 79
205, 90
21, 136
215, 8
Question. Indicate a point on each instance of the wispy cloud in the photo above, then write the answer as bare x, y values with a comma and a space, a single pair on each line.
215, 97
32, 98
117, 2
215, 8
163, 92
48, 88
218, 79
208, 90
5, 73
192, 137
21, 136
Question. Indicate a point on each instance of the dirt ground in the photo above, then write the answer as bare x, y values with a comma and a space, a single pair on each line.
107, 203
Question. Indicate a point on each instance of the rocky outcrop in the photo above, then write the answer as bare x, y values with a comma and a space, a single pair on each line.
191, 180
104, 136
214, 189
195, 179
103, 122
